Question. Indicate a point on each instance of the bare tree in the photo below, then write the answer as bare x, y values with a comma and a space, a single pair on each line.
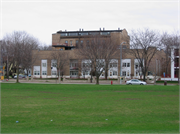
7, 57
45, 47
60, 61
20, 44
31, 44
99, 50
143, 46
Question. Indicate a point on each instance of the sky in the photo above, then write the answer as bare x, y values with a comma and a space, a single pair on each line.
42, 18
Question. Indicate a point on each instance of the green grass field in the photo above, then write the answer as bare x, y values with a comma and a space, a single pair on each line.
51, 108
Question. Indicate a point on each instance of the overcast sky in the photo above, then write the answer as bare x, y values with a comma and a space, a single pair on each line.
45, 17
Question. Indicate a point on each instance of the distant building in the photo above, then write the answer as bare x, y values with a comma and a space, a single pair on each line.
174, 64
44, 66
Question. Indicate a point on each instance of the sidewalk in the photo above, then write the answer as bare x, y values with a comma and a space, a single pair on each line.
101, 82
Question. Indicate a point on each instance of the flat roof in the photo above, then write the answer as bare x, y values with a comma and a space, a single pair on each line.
89, 31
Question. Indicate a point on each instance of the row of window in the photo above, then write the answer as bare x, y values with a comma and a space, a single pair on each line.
87, 65
44, 72
126, 65
66, 42
85, 33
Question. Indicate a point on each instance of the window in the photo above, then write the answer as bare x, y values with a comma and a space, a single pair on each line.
136, 73
128, 73
44, 64
86, 73
81, 43
71, 42
53, 72
136, 66
73, 34
66, 42
104, 33
84, 33
85, 64
36, 72
54, 64
110, 73
73, 64
94, 33
113, 65
44, 72
114, 72
63, 34
124, 65
124, 73
73, 73
77, 43
102, 73
128, 64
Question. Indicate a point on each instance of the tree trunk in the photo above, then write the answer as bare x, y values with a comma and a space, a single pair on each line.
59, 76
97, 80
17, 79
106, 73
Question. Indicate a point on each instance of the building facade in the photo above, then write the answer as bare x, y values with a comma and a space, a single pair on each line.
174, 64
68, 42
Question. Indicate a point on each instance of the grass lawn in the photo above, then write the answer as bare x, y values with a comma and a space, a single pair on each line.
58, 108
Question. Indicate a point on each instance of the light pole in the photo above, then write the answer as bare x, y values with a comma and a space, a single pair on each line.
121, 60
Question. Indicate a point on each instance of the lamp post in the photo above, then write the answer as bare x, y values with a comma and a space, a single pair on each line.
121, 60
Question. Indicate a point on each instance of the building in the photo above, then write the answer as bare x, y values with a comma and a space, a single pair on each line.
68, 42
174, 64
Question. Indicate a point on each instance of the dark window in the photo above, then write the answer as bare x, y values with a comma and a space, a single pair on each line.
66, 42
71, 42
124, 65
81, 43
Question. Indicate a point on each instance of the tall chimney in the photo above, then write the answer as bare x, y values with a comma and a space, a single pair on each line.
103, 28
79, 29
100, 29
118, 28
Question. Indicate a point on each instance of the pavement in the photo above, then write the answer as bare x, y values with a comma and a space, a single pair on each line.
38, 81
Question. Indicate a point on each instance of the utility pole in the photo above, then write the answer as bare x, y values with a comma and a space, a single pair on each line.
121, 60
155, 72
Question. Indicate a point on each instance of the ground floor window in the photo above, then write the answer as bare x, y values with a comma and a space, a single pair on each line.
36, 72
128, 73
44, 73
54, 72
114, 72
124, 73
74, 73
176, 72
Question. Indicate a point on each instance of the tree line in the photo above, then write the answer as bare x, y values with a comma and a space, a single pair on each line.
16, 50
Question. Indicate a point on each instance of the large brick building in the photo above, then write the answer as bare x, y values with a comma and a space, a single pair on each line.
68, 42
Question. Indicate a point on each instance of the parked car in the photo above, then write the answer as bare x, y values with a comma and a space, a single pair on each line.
135, 82
20, 76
